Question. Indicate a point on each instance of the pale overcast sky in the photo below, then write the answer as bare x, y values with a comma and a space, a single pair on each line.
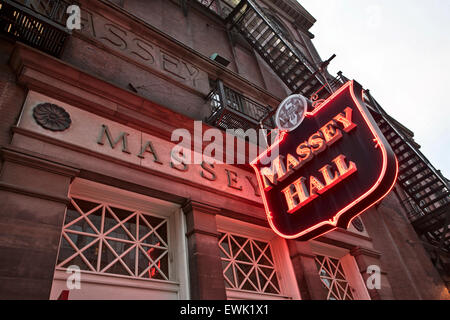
400, 50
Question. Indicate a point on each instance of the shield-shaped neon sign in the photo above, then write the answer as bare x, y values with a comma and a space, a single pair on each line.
329, 170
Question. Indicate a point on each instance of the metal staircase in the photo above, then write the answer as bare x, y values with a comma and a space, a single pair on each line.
281, 55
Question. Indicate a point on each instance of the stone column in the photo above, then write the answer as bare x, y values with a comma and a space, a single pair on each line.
364, 258
306, 271
33, 199
205, 266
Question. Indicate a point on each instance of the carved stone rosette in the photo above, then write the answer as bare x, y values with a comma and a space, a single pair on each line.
51, 117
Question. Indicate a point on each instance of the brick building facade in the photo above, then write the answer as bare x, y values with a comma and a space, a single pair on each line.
100, 191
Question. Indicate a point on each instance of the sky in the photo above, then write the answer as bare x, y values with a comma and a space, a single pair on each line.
400, 50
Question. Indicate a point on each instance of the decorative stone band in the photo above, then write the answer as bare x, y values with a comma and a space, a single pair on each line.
108, 139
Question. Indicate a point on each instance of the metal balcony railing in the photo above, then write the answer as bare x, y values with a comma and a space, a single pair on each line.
232, 110
38, 23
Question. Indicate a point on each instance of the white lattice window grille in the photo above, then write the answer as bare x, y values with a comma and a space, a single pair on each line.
256, 263
104, 238
333, 277
248, 264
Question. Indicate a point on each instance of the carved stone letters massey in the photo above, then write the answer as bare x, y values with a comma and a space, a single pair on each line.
92, 134
142, 51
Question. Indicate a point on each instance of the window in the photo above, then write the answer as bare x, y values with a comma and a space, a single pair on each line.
339, 273
102, 238
248, 264
126, 245
333, 277
255, 262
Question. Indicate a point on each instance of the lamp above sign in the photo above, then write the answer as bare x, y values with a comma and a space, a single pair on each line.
291, 112
321, 175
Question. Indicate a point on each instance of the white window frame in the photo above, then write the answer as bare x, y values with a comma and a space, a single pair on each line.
280, 253
348, 262
177, 284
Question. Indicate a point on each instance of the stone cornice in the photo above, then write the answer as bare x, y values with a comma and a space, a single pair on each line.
29, 159
203, 207
202, 232
347, 233
33, 160
345, 239
357, 251
32, 193
295, 10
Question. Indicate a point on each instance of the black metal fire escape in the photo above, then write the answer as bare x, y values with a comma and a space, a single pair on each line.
285, 59
281, 55
38, 23
427, 190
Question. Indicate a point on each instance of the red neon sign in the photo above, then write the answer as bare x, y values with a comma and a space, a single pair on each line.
329, 170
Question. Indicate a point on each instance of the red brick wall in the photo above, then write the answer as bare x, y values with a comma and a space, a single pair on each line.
409, 269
